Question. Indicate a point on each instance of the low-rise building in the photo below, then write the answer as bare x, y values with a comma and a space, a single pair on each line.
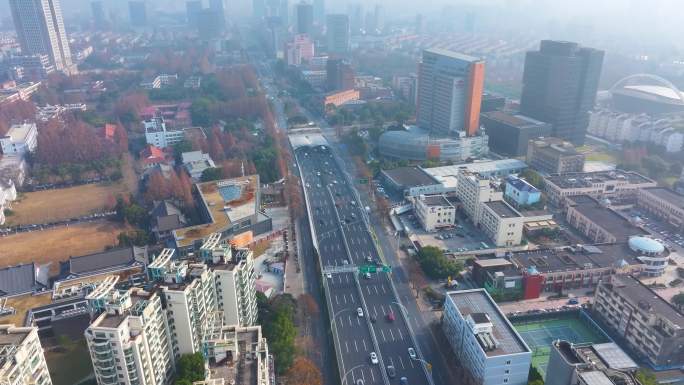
652, 328
598, 223
615, 185
502, 223
339, 98
521, 192
510, 132
415, 143
662, 203
23, 279
195, 162
152, 156
411, 181
448, 175
22, 360
589, 364
554, 156
166, 217
434, 212
131, 259
484, 340
20, 139
157, 134
230, 207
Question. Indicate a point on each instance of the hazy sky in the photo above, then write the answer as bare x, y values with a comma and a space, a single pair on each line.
633, 19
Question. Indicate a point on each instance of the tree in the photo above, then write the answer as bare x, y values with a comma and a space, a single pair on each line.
277, 319
436, 265
189, 368
212, 173
646, 377
309, 305
533, 178
534, 377
678, 300
303, 372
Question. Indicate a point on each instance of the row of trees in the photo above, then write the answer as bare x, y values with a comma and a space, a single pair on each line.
436, 265
15, 112
276, 317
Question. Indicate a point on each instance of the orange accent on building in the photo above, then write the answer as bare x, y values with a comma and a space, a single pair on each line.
242, 239
475, 89
433, 151
339, 98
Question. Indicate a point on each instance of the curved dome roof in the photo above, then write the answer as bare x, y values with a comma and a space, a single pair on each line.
646, 245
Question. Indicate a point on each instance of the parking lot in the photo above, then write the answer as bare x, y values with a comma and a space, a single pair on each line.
464, 237
672, 238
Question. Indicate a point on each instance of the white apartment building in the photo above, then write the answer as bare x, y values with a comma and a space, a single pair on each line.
472, 190
20, 139
235, 355
620, 127
158, 135
130, 342
434, 212
190, 297
8, 194
21, 357
502, 223
235, 280
484, 340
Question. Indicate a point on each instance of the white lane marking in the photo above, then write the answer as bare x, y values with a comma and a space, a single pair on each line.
401, 361
401, 335
376, 290
368, 289
383, 309
392, 334
372, 376
350, 321
347, 346
364, 345
384, 291
375, 311
382, 333
411, 362
358, 321
363, 376
337, 302
356, 346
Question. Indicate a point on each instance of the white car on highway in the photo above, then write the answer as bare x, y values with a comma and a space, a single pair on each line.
412, 353
359, 311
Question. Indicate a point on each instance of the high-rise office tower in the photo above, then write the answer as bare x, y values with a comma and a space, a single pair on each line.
305, 16
419, 26
258, 9
137, 13
218, 7
40, 30
450, 89
284, 12
98, 11
559, 87
338, 33
319, 11
355, 12
340, 75
193, 9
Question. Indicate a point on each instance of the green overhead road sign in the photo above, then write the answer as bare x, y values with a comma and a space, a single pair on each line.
363, 181
363, 269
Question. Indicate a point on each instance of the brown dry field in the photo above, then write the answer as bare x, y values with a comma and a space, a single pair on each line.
73, 202
58, 244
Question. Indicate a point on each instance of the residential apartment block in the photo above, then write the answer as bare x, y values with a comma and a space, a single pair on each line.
554, 156
615, 185
652, 328
20, 139
21, 357
502, 223
235, 354
484, 340
130, 342
663, 203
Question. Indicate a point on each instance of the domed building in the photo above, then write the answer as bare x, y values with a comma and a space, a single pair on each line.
651, 253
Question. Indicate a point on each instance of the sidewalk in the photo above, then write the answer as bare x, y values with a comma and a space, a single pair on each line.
295, 281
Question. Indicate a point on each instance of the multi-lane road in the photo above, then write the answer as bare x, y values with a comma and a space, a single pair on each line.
344, 243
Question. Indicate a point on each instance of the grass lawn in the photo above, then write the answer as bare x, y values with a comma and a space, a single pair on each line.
59, 204
69, 365
58, 244
601, 157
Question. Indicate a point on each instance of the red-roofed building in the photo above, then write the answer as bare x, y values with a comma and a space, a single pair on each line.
175, 115
109, 131
151, 156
